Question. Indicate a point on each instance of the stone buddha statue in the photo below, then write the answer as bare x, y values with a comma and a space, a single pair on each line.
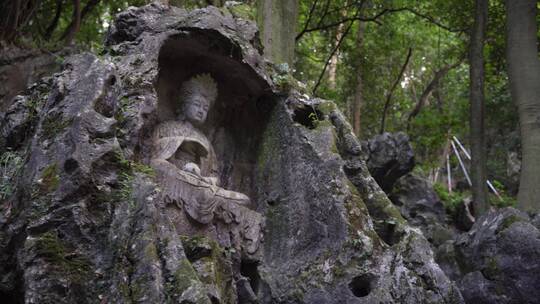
187, 167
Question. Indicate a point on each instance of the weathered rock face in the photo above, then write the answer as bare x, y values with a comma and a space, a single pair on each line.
322, 246
496, 261
84, 217
421, 206
500, 259
389, 157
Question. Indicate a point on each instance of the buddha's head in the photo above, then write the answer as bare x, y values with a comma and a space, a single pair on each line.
197, 96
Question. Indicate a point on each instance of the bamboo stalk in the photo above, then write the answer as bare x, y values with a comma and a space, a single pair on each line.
490, 185
461, 163
449, 179
462, 148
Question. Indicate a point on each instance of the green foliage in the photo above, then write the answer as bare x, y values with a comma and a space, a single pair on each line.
504, 201
244, 11
436, 31
451, 201
126, 176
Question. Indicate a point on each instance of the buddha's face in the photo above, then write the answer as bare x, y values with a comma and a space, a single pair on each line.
196, 108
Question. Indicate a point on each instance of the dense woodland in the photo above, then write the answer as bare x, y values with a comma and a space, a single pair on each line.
434, 69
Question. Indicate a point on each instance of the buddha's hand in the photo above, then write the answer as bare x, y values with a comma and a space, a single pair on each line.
192, 168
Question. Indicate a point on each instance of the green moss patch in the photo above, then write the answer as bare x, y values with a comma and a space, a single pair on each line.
53, 250
49, 180
53, 125
508, 221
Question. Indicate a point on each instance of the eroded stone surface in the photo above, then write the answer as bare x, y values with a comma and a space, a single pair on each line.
500, 259
87, 222
389, 157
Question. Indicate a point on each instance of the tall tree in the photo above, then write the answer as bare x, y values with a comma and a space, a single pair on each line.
332, 66
524, 76
477, 108
358, 101
76, 23
277, 24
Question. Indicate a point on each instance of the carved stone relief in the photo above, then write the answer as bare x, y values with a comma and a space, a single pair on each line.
187, 170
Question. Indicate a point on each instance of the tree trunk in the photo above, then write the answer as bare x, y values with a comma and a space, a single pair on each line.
477, 109
359, 90
12, 18
524, 76
75, 22
54, 23
83, 13
332, 66
277, 24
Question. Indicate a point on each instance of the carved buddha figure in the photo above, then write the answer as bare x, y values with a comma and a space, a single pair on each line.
187, 165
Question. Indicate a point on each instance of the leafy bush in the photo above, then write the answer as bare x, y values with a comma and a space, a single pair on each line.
452, 200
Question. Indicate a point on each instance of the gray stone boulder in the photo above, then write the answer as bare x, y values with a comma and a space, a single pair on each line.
500, 259
420, 205
389, 157
85, 221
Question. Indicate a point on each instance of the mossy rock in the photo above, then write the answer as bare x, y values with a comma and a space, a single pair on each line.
54, 251
49, 181
53, 125
508, 221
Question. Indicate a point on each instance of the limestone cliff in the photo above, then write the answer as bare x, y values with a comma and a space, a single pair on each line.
82, 219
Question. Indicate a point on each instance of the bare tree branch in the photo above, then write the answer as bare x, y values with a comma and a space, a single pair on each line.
349, 19
75, 25
84, 12
310, 15
393, 88
435, 22
54, 23
426, 94
325, 12
375, 18
338, 44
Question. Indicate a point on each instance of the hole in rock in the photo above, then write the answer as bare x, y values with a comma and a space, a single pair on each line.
214, 300
14, 297
70, 165
12, 290
307, 116
105, 105
112, 80
361, 285
386, 231
249, 270
195, 252
271, 203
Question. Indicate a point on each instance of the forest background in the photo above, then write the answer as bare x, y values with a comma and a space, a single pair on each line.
390, 65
